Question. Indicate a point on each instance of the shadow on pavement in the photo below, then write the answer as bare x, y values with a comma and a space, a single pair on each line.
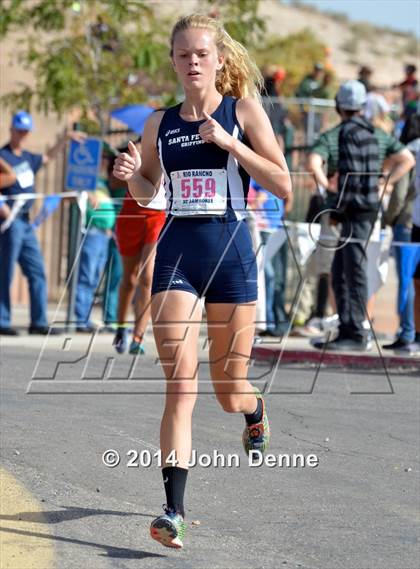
111, 551
70, 513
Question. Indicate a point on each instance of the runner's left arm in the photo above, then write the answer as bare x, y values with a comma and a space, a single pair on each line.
264, 162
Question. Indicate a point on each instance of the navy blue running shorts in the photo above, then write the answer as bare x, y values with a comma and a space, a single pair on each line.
210, 259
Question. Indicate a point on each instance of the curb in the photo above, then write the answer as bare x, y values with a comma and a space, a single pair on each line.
334, 359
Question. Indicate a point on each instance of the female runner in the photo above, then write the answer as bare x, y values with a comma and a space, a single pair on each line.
206, 147
137, 230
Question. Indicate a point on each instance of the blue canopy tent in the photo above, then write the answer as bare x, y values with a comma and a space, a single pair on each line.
134, 116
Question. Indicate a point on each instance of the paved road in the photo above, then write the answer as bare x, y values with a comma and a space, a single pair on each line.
359, 509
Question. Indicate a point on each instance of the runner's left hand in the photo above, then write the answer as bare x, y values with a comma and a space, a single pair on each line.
211, 131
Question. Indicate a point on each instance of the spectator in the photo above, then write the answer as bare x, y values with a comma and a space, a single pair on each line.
328, 65
114, 268
311, 82
311, 317
137, 231
282, 126
365, 76
354, 146
410, 133
7, 178
399, 216
100, 219
270, 212
324, 91
260, 310
307, 89
409, 90
415, 238
377, 111
18, 243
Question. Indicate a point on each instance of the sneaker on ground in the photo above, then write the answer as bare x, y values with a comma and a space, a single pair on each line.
330, 322
257, 436
315, 322
402, 346
344, 345
7, 331
108, 329
267, 332
169, 529
136, 347
88, 328
44, 330
121, 340
415, 348
307, 331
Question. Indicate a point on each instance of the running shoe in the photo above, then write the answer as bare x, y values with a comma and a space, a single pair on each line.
7, 331
169, 529
401, 346
330, 322
136, 347
344, 344
257, 436
121, 340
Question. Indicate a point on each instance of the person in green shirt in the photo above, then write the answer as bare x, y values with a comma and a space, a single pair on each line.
100, 219
325, 154
324, 91
309, 88
114, 265
311, 82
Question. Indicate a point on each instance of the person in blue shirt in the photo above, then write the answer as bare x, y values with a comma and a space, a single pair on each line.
18, 243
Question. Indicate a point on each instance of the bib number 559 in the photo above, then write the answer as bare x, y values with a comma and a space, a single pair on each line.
198, 188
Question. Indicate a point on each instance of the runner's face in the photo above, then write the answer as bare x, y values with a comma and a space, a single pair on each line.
195, 58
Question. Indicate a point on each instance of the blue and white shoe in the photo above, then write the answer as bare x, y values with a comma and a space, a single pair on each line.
136, 347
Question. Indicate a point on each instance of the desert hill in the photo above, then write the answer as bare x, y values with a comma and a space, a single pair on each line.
351, 44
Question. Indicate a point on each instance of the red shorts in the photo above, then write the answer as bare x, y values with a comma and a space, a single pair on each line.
137, 226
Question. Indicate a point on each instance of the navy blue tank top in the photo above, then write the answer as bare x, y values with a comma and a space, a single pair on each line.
202, 180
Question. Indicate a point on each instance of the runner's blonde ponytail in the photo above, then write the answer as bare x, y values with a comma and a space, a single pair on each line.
240, 76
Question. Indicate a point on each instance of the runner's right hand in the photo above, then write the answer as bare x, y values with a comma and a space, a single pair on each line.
127, 164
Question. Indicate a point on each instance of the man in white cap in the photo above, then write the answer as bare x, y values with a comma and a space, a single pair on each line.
18, 243
353, 153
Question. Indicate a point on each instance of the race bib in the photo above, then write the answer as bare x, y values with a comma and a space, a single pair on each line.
199, 192
24, 175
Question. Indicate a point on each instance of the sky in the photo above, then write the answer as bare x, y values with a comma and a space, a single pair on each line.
402, 15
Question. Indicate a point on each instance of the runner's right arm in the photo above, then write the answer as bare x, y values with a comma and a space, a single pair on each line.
143, 175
